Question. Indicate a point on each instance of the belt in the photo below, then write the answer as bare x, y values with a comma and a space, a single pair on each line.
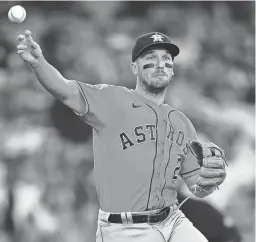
139, 218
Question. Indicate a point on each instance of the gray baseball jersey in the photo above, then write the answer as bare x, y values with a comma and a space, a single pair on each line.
140, 148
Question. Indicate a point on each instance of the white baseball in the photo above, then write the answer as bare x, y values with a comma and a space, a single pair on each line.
17, 14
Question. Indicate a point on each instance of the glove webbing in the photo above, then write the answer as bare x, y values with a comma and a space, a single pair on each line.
206, 152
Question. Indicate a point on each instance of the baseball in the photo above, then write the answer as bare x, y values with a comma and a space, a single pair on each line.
17, 14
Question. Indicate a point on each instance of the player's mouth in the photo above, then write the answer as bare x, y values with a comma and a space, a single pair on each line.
159, 73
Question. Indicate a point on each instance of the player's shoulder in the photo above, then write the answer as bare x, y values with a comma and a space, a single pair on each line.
106, 90
115, 89
182, 118
102, 87
120, 88
181, 115
111, 87
97, 86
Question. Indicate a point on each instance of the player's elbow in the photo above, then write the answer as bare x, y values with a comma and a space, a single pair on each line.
74, 99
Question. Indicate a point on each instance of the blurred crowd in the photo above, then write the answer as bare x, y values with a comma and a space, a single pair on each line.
47, 191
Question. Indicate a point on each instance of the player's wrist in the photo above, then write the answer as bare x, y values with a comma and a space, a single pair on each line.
39, 60
201, 192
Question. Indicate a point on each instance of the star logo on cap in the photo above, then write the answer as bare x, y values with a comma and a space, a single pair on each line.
157, 37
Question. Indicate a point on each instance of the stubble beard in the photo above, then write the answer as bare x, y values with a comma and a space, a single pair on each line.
153, 87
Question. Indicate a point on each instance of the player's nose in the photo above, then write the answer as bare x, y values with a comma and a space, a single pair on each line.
159, 63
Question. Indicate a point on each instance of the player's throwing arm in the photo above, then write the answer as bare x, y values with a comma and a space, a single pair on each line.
50, 78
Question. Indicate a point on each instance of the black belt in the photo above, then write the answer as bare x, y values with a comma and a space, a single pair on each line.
137, 218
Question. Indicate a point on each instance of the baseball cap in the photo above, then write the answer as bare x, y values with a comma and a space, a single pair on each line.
153, 39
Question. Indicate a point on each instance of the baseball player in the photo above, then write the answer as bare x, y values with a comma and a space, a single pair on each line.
141, 145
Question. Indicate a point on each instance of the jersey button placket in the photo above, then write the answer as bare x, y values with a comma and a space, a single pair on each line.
160, 159
163, 160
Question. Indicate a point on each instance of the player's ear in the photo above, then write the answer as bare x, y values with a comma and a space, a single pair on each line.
134, 68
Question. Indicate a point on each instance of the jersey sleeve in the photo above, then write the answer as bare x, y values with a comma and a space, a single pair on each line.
96, 99
190, 167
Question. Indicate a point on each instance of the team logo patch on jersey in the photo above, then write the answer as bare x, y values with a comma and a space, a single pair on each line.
157, 37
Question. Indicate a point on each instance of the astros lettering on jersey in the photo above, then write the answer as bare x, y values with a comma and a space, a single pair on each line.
140, 148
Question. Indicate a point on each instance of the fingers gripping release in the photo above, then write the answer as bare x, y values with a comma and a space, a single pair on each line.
212, 161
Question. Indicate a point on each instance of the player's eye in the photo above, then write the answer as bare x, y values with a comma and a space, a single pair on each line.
167, 58
150, 57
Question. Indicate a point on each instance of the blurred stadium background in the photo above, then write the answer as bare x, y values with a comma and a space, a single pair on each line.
47, 189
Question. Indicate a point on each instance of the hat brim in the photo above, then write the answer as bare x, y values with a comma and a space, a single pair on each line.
172, 48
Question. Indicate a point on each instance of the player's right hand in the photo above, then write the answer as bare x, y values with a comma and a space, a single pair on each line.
28, 49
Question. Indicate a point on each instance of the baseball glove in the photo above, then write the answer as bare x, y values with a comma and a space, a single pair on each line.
213, 163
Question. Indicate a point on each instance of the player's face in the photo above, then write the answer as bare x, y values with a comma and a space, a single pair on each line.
155, 68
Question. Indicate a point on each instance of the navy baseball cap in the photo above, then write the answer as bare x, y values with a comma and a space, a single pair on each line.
153, 39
